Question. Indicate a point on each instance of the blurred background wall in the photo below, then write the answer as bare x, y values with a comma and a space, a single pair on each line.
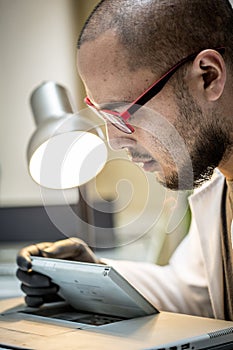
37, 44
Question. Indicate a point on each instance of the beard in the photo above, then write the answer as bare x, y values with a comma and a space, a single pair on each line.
206, 140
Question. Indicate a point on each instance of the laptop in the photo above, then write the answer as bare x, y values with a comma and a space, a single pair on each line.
102, 305
96, 289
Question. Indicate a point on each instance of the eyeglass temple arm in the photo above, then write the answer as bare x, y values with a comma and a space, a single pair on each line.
158, 85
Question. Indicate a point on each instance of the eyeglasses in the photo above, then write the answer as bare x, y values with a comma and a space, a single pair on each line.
119, 119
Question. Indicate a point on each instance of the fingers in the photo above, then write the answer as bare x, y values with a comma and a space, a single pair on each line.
36, 301
53, 289
63, 249
38, 288
72, 248
33, 279
84, 253
24, 256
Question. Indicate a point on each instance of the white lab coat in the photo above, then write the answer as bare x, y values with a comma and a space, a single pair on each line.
192, 282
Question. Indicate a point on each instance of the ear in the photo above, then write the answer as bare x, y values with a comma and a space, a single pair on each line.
210, 70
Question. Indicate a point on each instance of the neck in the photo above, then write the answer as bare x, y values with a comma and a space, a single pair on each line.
226, 166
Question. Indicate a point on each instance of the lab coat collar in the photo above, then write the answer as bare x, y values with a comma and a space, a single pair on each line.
208, 223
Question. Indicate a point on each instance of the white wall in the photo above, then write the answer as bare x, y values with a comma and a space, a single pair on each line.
37, 43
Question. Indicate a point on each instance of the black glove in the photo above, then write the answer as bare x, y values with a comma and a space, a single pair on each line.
38, 288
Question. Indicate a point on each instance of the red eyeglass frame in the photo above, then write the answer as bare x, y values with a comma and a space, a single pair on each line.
147, 95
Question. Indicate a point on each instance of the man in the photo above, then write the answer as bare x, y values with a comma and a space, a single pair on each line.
160, 73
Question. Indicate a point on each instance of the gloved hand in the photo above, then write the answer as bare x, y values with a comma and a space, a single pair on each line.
38, 288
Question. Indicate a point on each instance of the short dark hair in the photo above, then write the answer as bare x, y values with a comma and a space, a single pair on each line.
158, 33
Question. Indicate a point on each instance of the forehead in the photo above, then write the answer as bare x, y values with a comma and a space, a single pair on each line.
102, 65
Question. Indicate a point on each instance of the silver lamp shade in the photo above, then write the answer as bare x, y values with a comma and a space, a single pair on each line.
66, 150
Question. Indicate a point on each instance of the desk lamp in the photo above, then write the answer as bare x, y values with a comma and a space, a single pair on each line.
66, 150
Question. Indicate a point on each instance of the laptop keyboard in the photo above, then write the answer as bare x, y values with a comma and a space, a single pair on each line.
67, 313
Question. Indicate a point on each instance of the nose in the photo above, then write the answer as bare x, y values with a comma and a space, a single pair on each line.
117, 139
114, 137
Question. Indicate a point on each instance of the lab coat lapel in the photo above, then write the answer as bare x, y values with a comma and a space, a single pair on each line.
206, 208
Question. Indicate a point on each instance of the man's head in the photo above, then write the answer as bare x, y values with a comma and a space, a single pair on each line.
127, 44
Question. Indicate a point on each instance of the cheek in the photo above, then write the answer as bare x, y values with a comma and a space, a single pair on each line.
164, 105
162, 142
153, 125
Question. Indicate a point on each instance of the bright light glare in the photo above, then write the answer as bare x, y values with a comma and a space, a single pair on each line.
68, 160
